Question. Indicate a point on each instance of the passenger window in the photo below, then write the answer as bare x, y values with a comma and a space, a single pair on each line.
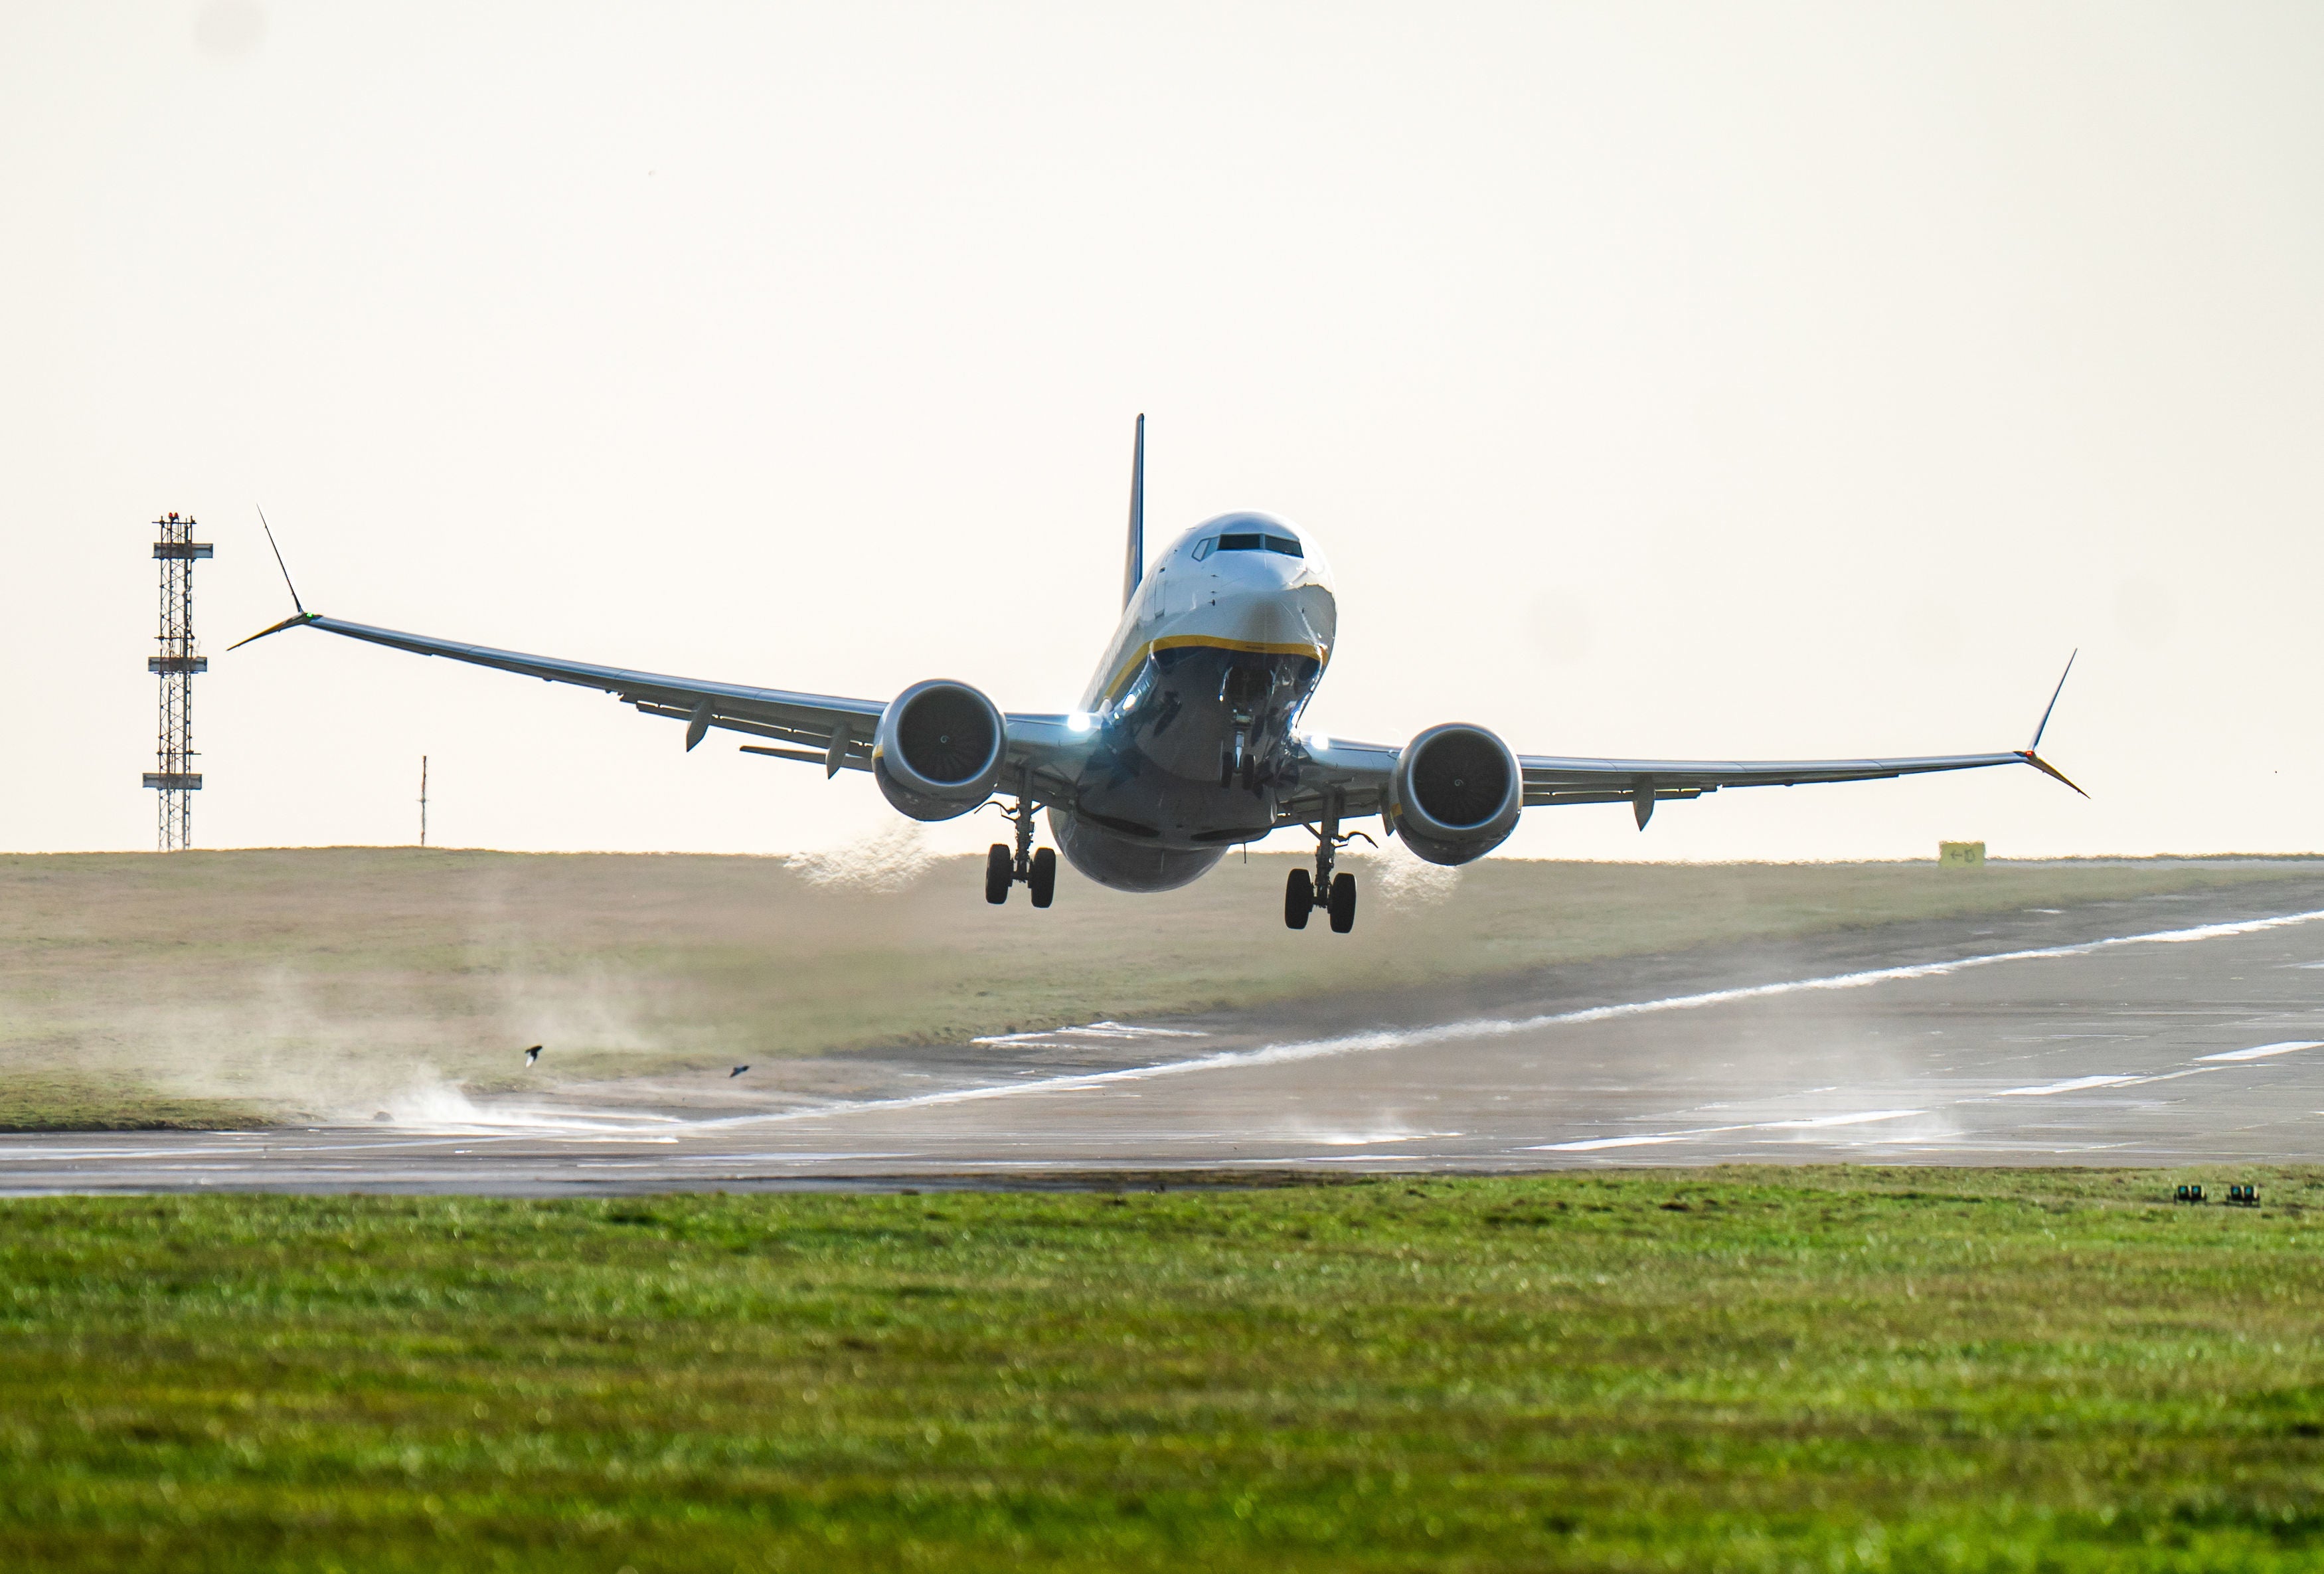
1203, 546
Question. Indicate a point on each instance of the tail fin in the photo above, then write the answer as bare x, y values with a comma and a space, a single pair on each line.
1134, 569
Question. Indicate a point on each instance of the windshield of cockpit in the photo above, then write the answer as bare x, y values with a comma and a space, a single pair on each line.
1248, 541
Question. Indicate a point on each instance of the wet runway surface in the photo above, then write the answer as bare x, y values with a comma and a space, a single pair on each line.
2159, 1030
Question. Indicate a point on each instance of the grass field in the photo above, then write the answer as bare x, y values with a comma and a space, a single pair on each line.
203, 988
1712, 1370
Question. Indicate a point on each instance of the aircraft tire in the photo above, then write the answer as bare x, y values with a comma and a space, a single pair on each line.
1044, 878
1000, 874
1344, 903
1299, 899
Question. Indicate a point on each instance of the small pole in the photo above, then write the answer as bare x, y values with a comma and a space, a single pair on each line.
423, 800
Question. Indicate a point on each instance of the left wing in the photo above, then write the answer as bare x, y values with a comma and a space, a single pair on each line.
1642, 783
1357, 774
1353, 778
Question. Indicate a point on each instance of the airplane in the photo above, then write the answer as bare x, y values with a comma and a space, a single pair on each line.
1187, 741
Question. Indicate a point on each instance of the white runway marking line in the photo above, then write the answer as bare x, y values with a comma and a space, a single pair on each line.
1413, 1038
1095, 1030
1594, 1143
1824, 1120
1591, 1144
2070, 1085
2264, 1051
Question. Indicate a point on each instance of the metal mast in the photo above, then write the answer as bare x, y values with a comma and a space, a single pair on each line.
177, 664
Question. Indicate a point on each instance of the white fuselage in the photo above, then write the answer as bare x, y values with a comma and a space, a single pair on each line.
1197, 700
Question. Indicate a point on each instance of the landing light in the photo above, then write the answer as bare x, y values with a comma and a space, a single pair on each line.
1081, 721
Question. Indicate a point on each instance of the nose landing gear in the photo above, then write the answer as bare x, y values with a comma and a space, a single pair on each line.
1004, 868
1238, 760
1303, 893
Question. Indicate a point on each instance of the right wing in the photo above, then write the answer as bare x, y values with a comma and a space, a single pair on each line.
819, 729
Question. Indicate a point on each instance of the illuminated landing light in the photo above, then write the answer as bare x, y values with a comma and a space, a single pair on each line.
1081, 721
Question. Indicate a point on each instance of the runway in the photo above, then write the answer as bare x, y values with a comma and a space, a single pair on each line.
2169, 1030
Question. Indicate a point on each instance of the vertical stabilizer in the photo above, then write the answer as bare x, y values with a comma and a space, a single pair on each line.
1134, 569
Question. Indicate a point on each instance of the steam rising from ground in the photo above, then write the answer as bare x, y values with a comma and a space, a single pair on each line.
887, 860
1404, 882
282, 1040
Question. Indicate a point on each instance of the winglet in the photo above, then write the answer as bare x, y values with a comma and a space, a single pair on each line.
2043, 726
2045, 767
1134, 568
2027, 754
294, 589
296, 619
293, 621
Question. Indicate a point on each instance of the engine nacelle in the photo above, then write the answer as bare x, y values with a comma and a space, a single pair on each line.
938, 751
1455, 794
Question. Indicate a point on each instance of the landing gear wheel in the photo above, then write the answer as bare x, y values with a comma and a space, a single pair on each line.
1044, 877
1344, 903
1000, 873
1226, 766
1299, 899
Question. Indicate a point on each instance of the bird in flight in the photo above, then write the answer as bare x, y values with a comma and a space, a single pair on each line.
737, 1071
532, 1054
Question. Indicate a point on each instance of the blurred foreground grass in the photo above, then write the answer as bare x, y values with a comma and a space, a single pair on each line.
1727, 1369
203, 986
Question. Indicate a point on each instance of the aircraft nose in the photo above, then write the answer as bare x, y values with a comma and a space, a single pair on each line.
1263, 614
1259, 571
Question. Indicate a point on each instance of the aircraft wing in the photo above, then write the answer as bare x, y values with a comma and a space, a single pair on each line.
1642, 783
1553, 779
1355, 776
1358, 773
820, 729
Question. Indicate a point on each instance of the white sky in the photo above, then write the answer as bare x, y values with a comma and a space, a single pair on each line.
1675, 380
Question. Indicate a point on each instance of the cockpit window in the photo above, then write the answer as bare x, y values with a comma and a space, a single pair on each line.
1253, 542
1203, 546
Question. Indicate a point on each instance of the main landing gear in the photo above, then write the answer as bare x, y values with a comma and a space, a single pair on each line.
1004, 868
1303, 893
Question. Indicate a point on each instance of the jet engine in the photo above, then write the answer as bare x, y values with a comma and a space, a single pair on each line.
938, 749
1455, 794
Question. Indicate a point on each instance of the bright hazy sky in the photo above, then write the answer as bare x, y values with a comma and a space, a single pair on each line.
1678, 380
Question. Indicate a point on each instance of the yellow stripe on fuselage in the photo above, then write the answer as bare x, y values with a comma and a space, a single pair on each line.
1176, 642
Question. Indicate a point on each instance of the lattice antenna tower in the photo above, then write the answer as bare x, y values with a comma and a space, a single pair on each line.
177, 664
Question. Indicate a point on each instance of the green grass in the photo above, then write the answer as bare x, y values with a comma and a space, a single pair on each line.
318, 981
1714, 1370
40, 1099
